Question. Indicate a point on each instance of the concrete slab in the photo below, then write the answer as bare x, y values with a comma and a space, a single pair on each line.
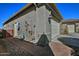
60, 49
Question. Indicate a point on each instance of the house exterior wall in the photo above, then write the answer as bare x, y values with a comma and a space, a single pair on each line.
67, 28
26, 24
63, 29
55, 29
9, 27
77, 27
71, 28
33, 24
37, 23
43, 26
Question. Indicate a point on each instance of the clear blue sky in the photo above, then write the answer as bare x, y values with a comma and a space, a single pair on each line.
7, 10
67, 10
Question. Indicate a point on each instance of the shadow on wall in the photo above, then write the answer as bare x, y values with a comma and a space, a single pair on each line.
43, 41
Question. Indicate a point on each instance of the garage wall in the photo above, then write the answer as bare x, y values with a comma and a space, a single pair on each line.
71, 29
55, 29
77, 27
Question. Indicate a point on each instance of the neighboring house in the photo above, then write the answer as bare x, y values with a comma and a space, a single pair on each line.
70, 26
34, 20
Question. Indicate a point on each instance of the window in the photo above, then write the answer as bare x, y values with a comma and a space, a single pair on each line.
18, 26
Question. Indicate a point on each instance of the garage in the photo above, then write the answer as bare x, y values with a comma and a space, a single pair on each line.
71, 28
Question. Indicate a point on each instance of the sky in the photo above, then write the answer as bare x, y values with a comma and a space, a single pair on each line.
9, 9
67, 10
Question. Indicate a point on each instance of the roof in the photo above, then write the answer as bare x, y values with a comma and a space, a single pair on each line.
70, 21
10, 19
56, 10
27, 6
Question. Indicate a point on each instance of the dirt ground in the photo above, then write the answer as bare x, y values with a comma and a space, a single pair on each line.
3, 48
16, 47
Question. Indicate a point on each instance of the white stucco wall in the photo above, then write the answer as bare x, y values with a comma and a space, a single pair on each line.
55, 29
39, 19
51, 30
30, 18
71, 28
